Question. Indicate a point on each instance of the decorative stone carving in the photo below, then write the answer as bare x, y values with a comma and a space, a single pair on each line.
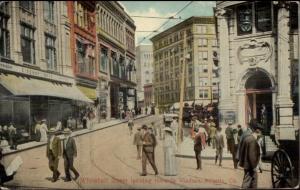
254, 52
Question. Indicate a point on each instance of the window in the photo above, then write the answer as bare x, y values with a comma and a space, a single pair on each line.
203, 42
203, 93
202, 29
27, 44
294, 15
263, 17
205, 69
214, 43
115, 67
203, 81
85, 60
4, 37
27, 5
103, 59
50, 52
49, 11
244, 17
81, 54
203, 55
91, 66
215, 94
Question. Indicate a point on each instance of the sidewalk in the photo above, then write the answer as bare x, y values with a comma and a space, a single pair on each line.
96, 127
186, 150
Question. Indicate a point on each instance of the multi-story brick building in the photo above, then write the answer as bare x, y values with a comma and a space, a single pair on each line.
83, 45
193, 43
144, 63
35, 66
115, 35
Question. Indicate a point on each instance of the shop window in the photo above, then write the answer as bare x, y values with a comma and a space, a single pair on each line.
49, 11
4, 37
27, 5
50, 52
27, 44
244, 19
263, 17
103, 59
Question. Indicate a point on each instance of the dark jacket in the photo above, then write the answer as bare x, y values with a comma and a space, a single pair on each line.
219, 141
56, 147
148, 142
249, 153
70, 151
197, 143
3, 177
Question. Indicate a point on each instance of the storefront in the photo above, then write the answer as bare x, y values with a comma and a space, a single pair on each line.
25, 100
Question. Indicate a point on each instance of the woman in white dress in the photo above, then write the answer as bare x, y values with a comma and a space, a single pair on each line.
43, 131
169, 153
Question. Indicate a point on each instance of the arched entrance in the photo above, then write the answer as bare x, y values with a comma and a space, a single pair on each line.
259, 99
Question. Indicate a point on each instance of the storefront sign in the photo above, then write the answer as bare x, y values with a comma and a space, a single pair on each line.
229, 117
34, 73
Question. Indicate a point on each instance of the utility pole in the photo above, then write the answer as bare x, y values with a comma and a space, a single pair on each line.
180, 123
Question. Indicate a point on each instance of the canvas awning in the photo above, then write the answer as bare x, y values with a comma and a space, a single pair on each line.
89, 92
25, 86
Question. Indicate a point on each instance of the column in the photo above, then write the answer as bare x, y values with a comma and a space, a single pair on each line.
225, 102
284, 103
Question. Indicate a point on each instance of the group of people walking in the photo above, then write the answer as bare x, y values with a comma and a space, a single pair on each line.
145, 140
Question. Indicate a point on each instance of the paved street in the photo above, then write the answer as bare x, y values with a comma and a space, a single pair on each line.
107, 159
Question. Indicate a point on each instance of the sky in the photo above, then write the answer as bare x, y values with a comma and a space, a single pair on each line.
162, 9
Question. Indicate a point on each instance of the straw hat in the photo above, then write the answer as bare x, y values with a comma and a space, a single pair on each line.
52, 130
67, 131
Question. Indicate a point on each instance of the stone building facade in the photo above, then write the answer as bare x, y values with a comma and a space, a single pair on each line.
115, 39
35, 66
258, 58
192, 42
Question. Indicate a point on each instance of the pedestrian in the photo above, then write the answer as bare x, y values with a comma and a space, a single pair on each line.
69, 153
239, 132
84, 121
195, 124
154, 126
212, 132
260, 143
43, 131
219, 146
198, 148
249, 155
130, 125
137, 140
231, 143
147, 151
37, 131
170, 149
12, 132
174, 126
3, 176
54, 153
5, 132
146, 111
207, 129
235, 146
154, 142
58, 126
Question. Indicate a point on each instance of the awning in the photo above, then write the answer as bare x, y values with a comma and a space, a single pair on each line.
89, 92
24, 86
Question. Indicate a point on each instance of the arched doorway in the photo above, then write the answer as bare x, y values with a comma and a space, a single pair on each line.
259, 95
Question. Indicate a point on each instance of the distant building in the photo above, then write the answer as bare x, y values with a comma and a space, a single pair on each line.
116, 43
259, 55
144, 62
201, 83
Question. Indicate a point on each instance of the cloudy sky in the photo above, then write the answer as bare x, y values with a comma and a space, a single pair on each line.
163, 9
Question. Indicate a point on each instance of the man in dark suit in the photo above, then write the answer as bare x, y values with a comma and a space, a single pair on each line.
53, 153
219, 140
148, 151
69, 152
198, 148
249, 155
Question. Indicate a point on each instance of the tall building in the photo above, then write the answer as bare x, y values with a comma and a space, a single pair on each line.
258, 53
144, 64
115, 39
36, 77
193, 43
83, 45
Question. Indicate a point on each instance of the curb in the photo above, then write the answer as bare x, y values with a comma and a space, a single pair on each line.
77, 135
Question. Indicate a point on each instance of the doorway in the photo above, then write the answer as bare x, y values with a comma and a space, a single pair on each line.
259, 95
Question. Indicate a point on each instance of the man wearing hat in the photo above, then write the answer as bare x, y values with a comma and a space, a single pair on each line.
53, 153
69, 152
249, 156
148, 151
137, 140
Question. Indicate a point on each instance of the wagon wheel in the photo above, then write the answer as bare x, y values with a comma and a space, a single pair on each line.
282, 170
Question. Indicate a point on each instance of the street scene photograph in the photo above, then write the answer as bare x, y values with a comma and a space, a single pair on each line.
149, 94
